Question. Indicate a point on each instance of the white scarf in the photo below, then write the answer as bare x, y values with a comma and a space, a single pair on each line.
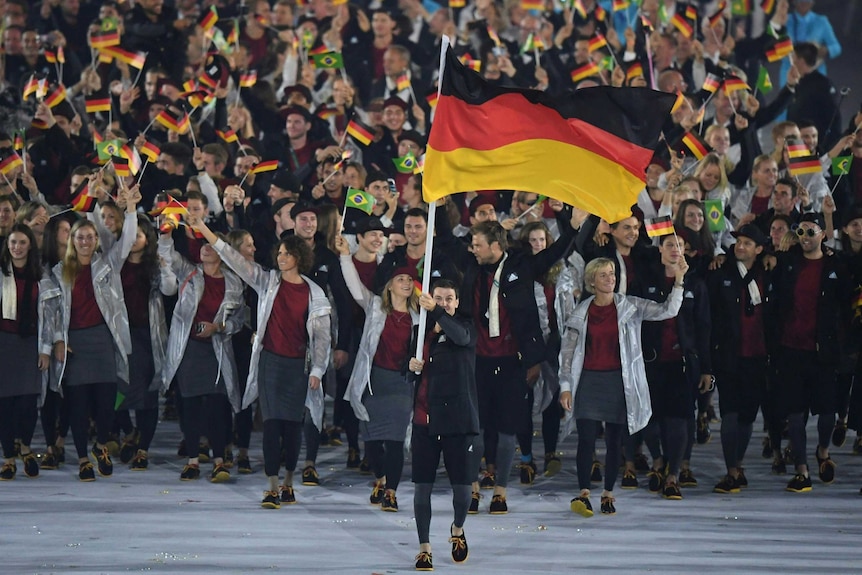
10, 298
494, 301
753, 290
624, 280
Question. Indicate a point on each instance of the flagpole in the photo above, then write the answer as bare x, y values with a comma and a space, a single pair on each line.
61, 212
432, 220
141, 174
344, 135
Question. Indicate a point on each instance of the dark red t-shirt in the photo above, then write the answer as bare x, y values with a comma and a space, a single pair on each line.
752, 340
366, 271
602, 352
286, 334
394, 344
800, 325
377, 61
194, 249
12, 326
136, 293
759, 205
211, 300
85, 310
630, 271
670, 348
486, 346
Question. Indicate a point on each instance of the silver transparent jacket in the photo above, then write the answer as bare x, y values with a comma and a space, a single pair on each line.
108, 289
375, 319
230, 313
44, 325
631, 313
266, 283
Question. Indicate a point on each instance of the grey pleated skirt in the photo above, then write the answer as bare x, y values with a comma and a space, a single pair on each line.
282, 386
389, 408
198, 370
92, 359
600, 396
19, 357
141, 372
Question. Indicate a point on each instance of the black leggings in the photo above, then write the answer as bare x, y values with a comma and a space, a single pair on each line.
343, 415
101, 397
278, 435
550, 428
146, 420
312, 438
55, 417
17, 420
735, 436
204, 415
243, 423
387, 460
587, 431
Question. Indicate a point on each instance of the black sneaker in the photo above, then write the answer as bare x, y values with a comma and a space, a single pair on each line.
741, 479
220, 474
310, 476
727, 485
608, 505
656, 480
243, 465
528, 472
778, 466
641, 463
857, 446
799, 484
474, 503
376, 494
335, 437
227, 460
671, 491
270, 500
365, 467
140, 462
190, 472
287, 495
581, 506
130, 446
839, 433
553, 465
488, 481
423, 561
596, 473
460, 551
704, 434
766, 453
389, 503
629, 480
49, 461
204, 453
686, 478
7, 472
826, 470
31, 466
353, 459
103, 461
86, 472
498, 505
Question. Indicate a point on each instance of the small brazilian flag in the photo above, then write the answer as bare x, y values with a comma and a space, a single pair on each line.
764, 83
841, 165
359, 199
714, 215
405, 164
109, 148
331, 60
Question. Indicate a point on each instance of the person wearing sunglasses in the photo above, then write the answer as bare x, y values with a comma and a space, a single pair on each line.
810, 297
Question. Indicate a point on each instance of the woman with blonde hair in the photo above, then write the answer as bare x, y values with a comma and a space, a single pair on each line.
380, 389
93, 342
602, 374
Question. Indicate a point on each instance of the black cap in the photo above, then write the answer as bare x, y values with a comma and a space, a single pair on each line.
853, 213
301, 208
395, 101
413, 136
287, 111
306, 93
276, 207
751, 232
814, 218
370, 224
286, 181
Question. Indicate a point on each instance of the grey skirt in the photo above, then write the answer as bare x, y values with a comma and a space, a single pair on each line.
142, 368
198, 370
282, 386
600, 396
92, 357
20, 360
389, 407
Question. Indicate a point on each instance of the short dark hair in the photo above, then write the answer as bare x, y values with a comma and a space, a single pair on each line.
178, 151
417, 213
196, 195
444, 283
493, 232
807, 52
790, 183
298, 248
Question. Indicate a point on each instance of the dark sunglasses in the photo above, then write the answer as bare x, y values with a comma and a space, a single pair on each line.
810, 231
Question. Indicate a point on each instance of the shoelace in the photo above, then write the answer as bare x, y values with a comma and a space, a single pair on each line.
458, 542
423, 556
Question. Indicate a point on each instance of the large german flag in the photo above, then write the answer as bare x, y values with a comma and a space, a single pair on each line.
589, 148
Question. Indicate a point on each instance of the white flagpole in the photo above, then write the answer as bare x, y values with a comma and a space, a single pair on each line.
432, 218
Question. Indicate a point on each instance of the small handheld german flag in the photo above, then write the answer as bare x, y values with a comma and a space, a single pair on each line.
780, 50
151, 151
694, 144
10, 162
805, 165
227, 135
657, 227
734, 84
248, 79
97, 104
432, 99
585, 71
711, 83
209, 19
597, 42
82, 201
797, 150
402, 83
682, 24
360, 132
266, 166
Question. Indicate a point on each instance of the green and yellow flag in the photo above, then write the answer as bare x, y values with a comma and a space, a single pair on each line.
359, 199
714, 215
109, 148
329, 60
405, 164
841, 165
764, 83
